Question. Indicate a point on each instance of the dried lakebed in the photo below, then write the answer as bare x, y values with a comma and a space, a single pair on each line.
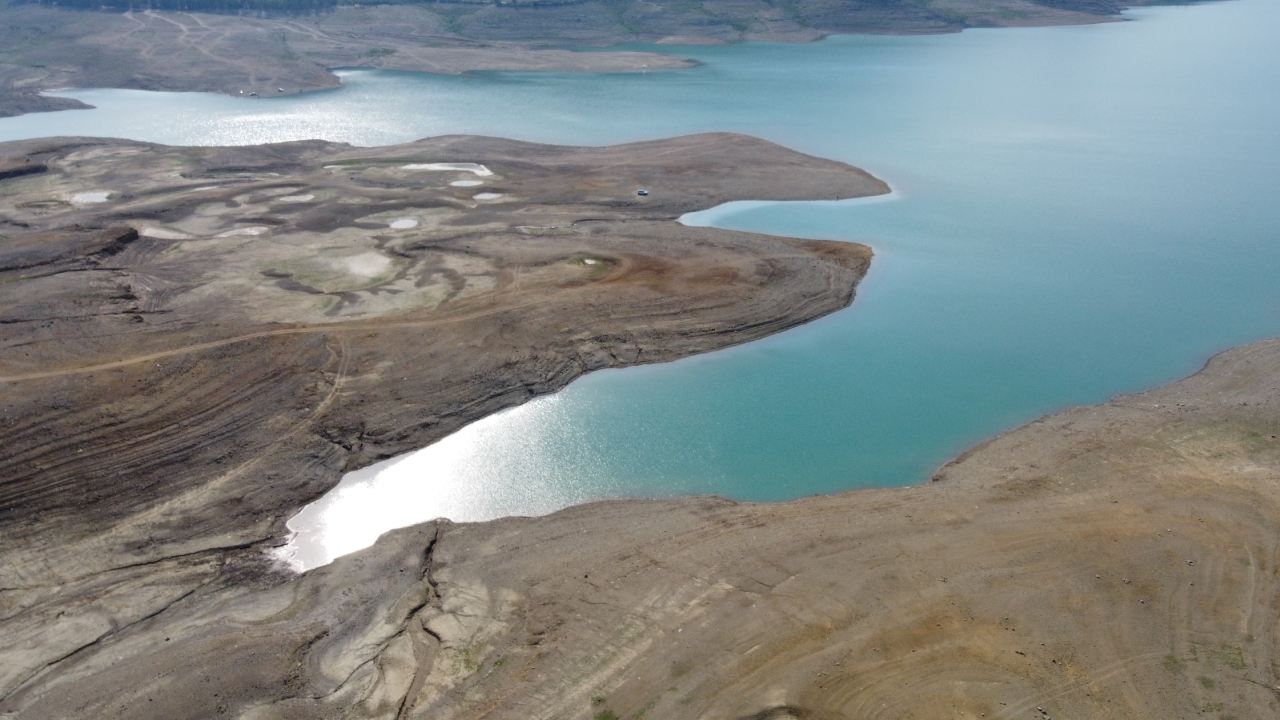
238, 54
162, 422
176, 386
1050, 245
1108, 562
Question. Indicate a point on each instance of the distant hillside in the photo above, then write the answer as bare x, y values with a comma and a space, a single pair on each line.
286, 46
646, 17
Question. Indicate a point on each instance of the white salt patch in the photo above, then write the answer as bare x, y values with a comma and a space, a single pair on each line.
251, 230
590, 261
487, 196
296, 198
466, 183
89, 198
403, 223
475, 168
370, 264
164, 233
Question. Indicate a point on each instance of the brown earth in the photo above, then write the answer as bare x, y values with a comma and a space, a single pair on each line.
1119, 561
43, 48
198, 341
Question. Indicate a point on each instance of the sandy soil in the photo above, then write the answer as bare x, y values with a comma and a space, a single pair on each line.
188, 362
44, 48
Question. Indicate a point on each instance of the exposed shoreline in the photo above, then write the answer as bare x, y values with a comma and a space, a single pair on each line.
284, 552
813, 608
1107, 561
239, 55
327, 387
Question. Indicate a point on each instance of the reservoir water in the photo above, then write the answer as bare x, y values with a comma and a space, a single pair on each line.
1079, 211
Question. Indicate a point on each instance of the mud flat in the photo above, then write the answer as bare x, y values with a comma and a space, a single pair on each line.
192, 359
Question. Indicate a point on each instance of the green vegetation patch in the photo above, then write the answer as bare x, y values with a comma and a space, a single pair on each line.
1230, 655
596, 265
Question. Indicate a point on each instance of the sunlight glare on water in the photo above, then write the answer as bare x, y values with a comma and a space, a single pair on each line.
1080, 211
447, 482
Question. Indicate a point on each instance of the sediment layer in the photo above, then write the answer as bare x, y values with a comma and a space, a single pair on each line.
198, 341
163, 419
43, 48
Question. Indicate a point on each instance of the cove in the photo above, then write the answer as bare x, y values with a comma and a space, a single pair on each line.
1079, 211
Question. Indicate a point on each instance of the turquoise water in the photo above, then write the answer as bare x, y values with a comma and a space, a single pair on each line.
1079, 212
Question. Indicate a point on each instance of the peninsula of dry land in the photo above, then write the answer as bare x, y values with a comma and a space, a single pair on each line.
48, 47
198, 341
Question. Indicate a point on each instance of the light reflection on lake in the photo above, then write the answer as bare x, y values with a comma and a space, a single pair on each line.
1082, 211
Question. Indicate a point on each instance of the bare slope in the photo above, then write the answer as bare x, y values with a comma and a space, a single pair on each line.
1109, 562
198, 341
51, 47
